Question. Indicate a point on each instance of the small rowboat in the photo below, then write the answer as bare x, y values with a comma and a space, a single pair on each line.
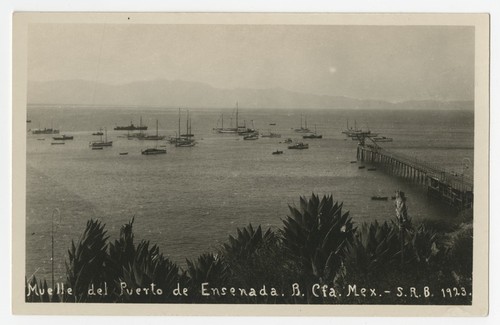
380, 198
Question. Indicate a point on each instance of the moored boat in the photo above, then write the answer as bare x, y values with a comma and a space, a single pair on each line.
132, 127
251, 137
302, 129
184, 140
153, 151
380, 198
271, 135
314, 135
155, 137
63, 137
382, 139
45, 131
102, 143
231, 130
299, 146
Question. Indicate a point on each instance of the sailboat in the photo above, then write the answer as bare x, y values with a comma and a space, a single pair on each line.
356, 133
188, 133
140, 128
314, 135
50, 130
247, 131
271, 135
101, 143
231, 130
184, 140
302, 129
155, 150
152, 137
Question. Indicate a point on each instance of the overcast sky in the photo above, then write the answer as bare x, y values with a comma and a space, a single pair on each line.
368, 62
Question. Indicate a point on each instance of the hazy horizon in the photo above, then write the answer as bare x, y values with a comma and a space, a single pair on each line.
384, 63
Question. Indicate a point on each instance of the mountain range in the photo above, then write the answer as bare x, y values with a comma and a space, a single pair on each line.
178, 93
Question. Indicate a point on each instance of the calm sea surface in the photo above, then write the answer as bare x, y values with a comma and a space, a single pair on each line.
191, 199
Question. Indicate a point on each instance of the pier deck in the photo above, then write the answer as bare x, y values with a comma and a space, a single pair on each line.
454, 189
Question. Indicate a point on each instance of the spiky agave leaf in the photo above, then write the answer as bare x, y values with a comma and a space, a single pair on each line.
148, 267
423, 246
247, 243
122, 251
316, 236
254, 257
87, 260
207, 268
376, 246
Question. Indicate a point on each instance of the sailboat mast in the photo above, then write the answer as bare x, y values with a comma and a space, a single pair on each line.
187, 123
156, 140
179, 134
237, 125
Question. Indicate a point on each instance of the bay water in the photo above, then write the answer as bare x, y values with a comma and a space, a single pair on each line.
191, 199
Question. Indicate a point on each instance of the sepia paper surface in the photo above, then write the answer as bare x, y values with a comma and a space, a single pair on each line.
480, 23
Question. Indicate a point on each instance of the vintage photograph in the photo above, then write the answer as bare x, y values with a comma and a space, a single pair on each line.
252, 161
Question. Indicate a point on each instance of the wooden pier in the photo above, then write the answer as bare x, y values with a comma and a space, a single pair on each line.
453, 189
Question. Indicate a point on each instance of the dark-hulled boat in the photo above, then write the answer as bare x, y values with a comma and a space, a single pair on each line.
299, 146
153, 151
132, 127
63, 137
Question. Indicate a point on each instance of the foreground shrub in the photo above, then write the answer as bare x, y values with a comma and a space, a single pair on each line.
88, 260
316, 237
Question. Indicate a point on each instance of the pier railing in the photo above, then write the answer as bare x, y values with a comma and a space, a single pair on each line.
430, 168
453, 188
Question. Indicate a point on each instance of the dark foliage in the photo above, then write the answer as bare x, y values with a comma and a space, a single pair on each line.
317, 246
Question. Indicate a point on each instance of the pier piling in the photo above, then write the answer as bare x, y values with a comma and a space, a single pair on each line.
455, 190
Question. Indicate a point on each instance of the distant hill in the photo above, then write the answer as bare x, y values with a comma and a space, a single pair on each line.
177, 93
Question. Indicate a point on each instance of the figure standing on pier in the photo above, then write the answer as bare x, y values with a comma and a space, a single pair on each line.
401, 210
403, 220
